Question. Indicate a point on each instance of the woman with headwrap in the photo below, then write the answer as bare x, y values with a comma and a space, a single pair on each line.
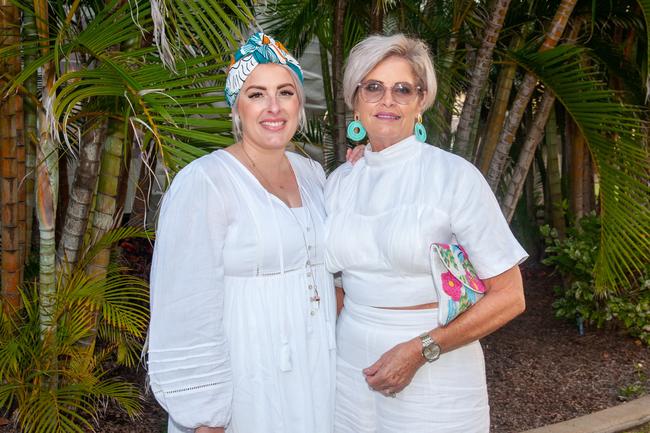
242, 309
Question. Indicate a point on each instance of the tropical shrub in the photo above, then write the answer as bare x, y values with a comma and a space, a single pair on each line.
54, 368
575, 258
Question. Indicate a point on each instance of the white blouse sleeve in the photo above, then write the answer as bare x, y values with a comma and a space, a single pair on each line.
189, 364
333, 187
480, 227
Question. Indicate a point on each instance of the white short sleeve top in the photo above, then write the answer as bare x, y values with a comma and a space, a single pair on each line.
386, 210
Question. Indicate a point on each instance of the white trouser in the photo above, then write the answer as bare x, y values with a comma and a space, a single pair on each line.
446, 396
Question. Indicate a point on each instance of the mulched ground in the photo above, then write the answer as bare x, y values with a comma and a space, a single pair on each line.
539, 369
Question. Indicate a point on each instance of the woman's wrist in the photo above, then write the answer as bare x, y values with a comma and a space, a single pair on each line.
416, 344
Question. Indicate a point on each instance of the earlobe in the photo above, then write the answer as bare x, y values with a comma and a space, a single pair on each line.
423, 97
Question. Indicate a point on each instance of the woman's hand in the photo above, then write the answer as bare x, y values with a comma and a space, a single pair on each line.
210, 430
353, 155
396, 368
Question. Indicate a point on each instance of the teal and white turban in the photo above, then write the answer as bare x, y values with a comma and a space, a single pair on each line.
259, 49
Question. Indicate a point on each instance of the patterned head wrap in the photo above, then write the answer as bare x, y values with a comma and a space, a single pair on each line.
259, 49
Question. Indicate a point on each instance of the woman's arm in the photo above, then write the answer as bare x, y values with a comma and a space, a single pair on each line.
210, 430
340, 295
188, 360
503, 301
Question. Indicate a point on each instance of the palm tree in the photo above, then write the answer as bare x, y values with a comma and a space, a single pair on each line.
103, 85
479, 77
12, 150
524, 95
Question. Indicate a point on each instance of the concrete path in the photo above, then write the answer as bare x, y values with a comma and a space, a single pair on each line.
613, 420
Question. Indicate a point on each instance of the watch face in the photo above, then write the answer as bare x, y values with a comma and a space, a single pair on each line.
431, 352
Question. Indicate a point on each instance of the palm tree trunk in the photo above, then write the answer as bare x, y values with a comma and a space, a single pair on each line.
499, 108
577, 172
143, 190
105, 209
462, 144
107, 194
31, 132
588, 194
46, 178
554, 179
81, 195
377, 17
526, 156
529, 196
65, 165
524, 95
338, 57
21, 172
11, 131
443, 96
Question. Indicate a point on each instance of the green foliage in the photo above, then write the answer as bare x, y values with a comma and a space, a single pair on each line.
54, 375
614, 134
575, 258
108, 69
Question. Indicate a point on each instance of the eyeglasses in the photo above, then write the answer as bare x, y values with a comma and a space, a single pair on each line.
402, 93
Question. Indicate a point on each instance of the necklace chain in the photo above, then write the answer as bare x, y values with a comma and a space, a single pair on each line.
256, 169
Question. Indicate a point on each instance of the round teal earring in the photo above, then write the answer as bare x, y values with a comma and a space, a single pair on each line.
356, 131
420, 132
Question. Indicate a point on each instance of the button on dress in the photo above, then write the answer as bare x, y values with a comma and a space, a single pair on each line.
242, 307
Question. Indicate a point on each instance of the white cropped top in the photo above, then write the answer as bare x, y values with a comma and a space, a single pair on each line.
386, 210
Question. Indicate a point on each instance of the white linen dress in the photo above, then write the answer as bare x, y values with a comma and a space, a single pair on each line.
235, 338
383, 214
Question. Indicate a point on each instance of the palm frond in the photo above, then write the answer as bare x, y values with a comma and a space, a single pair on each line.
614, 133
178, 109
203, 27
297, 22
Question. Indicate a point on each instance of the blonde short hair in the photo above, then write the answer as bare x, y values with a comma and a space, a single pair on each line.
374, 49
237, 129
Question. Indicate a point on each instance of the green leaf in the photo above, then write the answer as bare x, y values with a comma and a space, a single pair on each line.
614, 133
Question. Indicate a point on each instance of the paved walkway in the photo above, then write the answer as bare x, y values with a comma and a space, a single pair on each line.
613, 420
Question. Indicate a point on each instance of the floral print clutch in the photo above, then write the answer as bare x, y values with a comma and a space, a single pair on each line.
455, 281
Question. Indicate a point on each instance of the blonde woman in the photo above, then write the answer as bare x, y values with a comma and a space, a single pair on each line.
242, 308
397, 371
